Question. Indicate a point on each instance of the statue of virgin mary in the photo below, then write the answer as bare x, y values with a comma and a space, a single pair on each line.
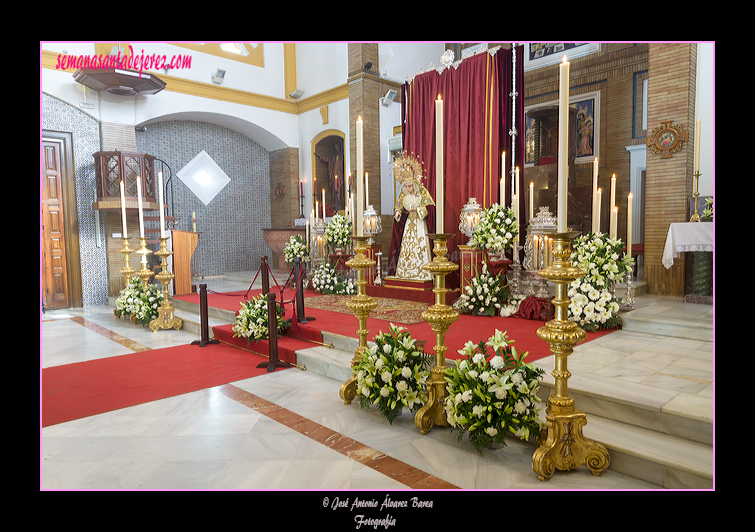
413, 200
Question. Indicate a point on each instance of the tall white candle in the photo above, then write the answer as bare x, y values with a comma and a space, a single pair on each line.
516, 208
697, 145
597, 223
351, 209
323, 205
360, 183
532, 201
439, 196
614, 219
366, 190
516, 189
595, 195
346, 194
317, 211
613, 191
503, 179
629, 225
162, 206
563, 143
123, 209
139, 201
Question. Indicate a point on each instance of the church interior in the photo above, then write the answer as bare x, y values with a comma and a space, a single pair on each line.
187, 171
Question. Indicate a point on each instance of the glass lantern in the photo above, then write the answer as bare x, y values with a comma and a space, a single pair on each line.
372, 225
469, 218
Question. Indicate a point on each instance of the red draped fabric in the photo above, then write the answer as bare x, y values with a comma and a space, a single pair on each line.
477, 119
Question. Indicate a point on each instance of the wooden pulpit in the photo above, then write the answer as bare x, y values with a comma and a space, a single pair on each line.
184, 244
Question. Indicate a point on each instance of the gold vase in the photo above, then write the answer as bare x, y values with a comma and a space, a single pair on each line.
165, 318
440, 317
563, 446
361, 305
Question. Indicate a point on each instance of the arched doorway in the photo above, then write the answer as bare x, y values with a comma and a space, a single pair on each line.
328, 168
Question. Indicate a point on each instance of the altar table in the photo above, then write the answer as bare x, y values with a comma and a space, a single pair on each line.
683, 237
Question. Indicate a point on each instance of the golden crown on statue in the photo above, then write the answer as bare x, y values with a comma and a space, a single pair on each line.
408, 168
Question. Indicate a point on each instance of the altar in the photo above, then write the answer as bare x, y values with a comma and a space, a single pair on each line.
696, 239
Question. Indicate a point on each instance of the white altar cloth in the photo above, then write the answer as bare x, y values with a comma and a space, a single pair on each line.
691, 236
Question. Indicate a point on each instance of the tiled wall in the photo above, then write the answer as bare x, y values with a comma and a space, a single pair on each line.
231, 224
59, 116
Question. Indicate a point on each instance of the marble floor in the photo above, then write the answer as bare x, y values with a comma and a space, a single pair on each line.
277, 431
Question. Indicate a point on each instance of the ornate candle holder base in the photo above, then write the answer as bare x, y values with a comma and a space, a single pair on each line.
563, 446
361, 305
440, 317
165, 318
144, 274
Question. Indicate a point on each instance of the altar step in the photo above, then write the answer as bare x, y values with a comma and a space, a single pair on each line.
648, 434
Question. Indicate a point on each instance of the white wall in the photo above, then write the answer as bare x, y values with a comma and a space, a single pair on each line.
705, 111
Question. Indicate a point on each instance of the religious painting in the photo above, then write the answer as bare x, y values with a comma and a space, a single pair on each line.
540, 54
586, 130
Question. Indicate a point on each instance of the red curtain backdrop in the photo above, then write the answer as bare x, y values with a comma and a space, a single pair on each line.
477, 119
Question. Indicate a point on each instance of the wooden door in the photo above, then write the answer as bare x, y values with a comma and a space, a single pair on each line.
54, 267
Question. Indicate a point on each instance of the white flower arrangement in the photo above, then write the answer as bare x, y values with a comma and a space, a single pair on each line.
326, 280
252, 320
492, 395
591, 303
496, 231
485, 294
296, 247
338, 232
393, 373
512, 306
138, 303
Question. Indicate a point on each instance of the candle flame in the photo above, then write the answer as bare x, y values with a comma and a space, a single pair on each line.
565, 61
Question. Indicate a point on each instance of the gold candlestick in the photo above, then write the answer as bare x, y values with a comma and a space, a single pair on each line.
165, 318
361, 305
440, 317
144, 274
127, 271
564, 447
695, 216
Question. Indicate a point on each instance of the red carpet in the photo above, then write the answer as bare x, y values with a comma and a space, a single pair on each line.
84, 389
466, 328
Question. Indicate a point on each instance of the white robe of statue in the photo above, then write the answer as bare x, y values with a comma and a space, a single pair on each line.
415, 245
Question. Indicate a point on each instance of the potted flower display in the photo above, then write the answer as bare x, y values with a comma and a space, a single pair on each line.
600, 257
338, 232
296, 247
393, 373
139, 303
252, 320
326, 280
496, 231
493, 394
485, 294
